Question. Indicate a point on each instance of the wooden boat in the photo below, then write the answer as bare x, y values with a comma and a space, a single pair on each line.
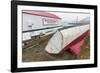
71, 38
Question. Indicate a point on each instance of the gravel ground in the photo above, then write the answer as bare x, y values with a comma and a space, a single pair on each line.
37, 53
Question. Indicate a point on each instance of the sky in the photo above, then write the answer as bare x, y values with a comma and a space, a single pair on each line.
72, 17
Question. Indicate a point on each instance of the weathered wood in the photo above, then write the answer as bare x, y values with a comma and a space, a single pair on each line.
68, 35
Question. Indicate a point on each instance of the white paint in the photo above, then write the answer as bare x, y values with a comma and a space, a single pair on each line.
26, 36
72, 33
37, 22
33, 22
55, 43
64, 37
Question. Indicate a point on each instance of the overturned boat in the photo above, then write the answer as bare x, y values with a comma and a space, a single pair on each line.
71, 38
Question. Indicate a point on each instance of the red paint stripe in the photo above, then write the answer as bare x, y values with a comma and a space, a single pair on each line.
76, 44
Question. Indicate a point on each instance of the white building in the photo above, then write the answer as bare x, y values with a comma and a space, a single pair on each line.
36, 22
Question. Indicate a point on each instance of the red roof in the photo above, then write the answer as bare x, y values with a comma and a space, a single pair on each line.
41, 13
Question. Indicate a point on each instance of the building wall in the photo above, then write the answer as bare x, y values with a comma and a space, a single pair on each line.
36, 22
33, 22
29, 20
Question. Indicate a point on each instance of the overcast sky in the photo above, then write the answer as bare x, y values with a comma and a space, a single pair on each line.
72, 17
